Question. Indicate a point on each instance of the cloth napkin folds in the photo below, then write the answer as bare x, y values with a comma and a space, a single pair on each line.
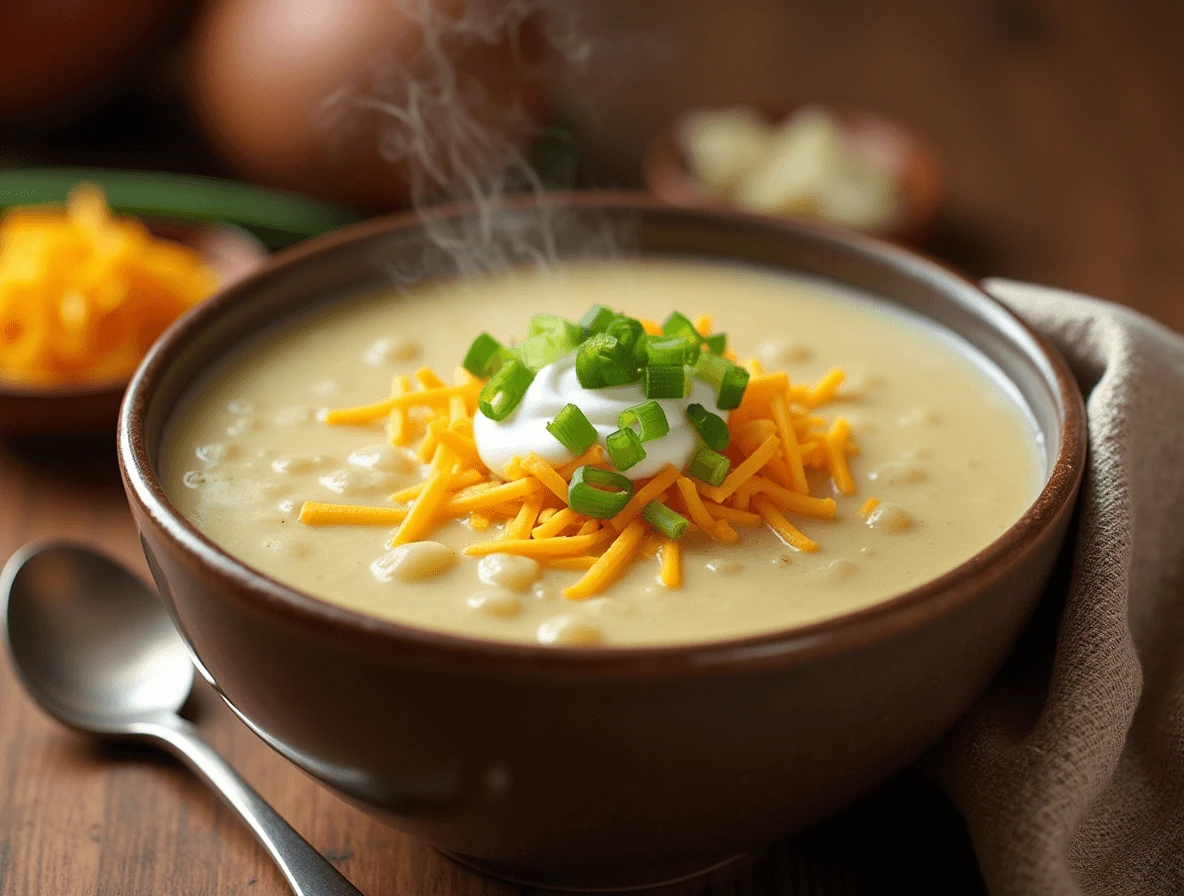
1070, 770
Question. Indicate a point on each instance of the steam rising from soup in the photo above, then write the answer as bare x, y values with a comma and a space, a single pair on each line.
444, 128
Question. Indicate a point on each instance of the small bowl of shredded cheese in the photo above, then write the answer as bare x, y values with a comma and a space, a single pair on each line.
84, 293
849, 168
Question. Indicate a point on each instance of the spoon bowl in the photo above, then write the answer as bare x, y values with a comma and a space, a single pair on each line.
91, 642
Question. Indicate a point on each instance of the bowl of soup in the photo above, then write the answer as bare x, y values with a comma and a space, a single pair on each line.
596, 566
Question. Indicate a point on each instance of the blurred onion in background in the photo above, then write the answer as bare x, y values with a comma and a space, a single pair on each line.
262, 72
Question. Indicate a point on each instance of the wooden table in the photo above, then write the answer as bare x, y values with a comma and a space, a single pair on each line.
1060, 124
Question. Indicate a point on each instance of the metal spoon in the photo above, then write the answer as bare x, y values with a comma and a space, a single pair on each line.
97, 649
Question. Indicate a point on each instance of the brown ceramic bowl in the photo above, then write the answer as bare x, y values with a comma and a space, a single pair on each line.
603, 766
94, 407
904, 154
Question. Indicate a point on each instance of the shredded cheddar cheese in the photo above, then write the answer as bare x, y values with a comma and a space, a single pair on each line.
556, 523
671, 554
826, 388
836, 450
460, 480
545, 473
783, 527
523, 525
649, 492
594, 456
744, 472
803, 505
650, 546
725, 533
491, 496
314, 513
789, 444
694, 504
428, 379
571, 563
423, 512
610, 566
400, 434
568, 546
433, 398
732, 514
779, 439
84, 294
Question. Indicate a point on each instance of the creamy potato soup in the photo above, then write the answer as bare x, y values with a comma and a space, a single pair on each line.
910, 454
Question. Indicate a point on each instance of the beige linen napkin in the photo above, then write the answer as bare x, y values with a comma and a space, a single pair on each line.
1070, 770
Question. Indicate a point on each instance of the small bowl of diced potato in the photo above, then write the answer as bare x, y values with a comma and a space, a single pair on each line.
847, 168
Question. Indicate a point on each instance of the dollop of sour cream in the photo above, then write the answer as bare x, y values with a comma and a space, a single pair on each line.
556, 385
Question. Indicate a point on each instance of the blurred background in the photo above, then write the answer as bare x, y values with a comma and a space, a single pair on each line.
1055, 123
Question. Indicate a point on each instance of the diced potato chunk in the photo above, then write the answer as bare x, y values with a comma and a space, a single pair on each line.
723, 145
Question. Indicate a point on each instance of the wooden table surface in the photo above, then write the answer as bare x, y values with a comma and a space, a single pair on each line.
1060, 124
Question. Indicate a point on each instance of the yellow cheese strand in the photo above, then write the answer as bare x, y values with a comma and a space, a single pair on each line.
611, 565
671, 574
783, 527
314, 513
569, 546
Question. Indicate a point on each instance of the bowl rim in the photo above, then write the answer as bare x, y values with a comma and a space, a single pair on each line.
904, 611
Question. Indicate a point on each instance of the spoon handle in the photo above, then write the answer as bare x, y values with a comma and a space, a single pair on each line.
306, 870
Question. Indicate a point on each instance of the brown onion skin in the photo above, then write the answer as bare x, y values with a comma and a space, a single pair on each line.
261, 72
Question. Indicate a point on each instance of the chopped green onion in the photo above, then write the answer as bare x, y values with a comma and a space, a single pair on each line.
484, 356
649, 416
712, 428
679, 325
717, 344
542, 349
731, 390
549, 323
666, 381
631, 334
671, 524
572, 429
600, 494
602, 361
624, 448
668, 350
596, 320
711, 369
727, 379
709, 466
505, 389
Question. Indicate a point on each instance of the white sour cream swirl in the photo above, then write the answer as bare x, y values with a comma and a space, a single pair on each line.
556, 385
